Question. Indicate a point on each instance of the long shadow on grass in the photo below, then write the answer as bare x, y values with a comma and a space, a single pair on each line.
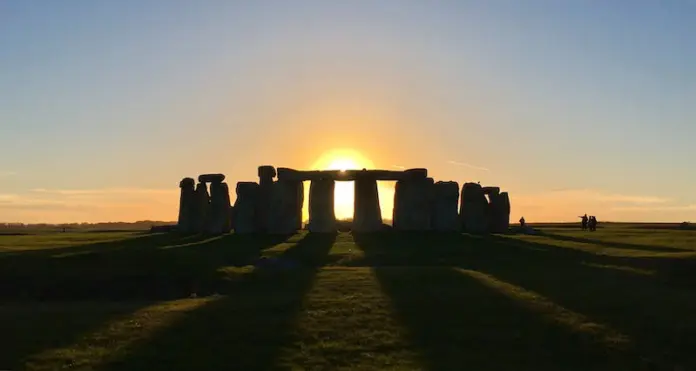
653, 315
135, 240
614, 245
33, 328
654, 310
247, 327
142, 269
163, 267
458, 323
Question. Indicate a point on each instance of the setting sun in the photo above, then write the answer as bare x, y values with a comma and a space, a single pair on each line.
349, 159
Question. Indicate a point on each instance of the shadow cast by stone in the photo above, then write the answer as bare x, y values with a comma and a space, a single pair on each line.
455, 320
155, 268
577, 281
247, 327
613, 244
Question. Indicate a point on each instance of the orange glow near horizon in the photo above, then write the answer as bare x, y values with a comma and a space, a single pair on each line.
348, 159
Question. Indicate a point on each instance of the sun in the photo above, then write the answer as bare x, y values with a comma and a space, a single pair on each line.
342, 159
348, 159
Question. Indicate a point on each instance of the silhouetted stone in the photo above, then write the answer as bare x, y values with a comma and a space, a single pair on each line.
187, 199
283, 208
219, 221
491, 190
201, 208
299, 202
231, 213
265, 193
266, 173
349, 175
417, 173
211, 178
499, 213
367, 214
413, 199
245, 207
445, 206
285, 173
473, 210
322, 218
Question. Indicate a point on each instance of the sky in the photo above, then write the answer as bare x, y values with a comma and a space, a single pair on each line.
572, 107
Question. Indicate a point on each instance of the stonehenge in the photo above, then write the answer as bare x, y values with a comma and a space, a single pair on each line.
273, 204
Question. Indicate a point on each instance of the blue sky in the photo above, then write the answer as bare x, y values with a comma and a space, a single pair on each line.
571, 106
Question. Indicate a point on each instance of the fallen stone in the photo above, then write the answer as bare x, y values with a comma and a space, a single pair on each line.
211, 178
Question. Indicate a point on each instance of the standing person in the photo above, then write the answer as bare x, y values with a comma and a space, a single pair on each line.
593, 223
584, 221
522, 222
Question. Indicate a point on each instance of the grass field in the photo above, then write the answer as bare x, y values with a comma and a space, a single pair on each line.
621, 298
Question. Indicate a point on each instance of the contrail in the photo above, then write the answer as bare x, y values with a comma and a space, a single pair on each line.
467, 165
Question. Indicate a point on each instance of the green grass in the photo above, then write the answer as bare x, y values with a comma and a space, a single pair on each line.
618, 298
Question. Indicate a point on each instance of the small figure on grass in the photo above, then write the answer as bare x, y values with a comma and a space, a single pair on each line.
584, 221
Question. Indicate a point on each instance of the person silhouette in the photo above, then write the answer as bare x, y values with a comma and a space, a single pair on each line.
593, 223
584, 220
522, 222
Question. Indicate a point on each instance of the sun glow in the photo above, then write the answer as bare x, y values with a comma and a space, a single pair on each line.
348, 159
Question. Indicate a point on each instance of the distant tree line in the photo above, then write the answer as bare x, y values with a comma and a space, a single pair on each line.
139, 225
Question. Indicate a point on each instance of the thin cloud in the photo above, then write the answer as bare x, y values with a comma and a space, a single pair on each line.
452, 162
399, 167
7, 173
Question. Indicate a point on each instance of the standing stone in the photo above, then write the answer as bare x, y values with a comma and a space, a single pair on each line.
231, 214
245, 207
219, 221
299, 203
263, 207
445, 206
185, 222
413, 199
322, 218
283, 208
367, 214
398, 210
201, 208
473, 210
499, 211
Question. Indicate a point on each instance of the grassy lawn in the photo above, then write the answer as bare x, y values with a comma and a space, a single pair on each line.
619, 298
